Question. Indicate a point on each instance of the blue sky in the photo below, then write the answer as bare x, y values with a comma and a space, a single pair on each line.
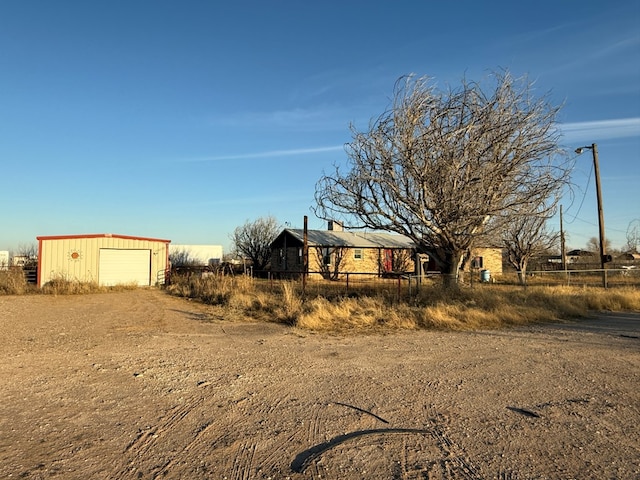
182, 120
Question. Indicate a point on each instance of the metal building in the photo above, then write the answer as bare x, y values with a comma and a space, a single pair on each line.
107, 259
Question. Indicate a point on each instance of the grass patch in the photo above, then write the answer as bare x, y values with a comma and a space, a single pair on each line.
488, 306
13, 282
61, 285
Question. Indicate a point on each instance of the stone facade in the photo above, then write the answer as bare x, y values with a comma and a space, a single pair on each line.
491, 260
322, 260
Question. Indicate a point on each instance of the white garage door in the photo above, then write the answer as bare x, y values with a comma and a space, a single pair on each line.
124, 267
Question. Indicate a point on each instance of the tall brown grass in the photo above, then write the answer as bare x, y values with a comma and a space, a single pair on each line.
239, 295
485, 306
13, 282
63, 285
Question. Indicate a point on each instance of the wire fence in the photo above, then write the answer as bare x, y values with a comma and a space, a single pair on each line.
611, 278
406, 285
395, 288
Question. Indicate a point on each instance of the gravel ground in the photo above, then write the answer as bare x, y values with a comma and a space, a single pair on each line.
141, 385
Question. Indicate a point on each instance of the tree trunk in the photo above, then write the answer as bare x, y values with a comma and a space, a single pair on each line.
522, 272
451, 268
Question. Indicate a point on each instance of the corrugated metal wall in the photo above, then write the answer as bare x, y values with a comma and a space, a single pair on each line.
78, 258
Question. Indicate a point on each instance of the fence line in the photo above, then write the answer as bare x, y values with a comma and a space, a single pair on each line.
617, 277
406, 286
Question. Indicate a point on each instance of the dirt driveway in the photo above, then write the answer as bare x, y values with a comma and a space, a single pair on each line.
140, 385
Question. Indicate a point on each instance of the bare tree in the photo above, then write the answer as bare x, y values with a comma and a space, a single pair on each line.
396, 261
437, 166
253, 240
633, 236
593, 245
182, 258
330, 259
526, 236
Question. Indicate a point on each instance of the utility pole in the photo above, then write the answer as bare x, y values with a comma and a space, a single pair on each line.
563, 256
305, 255
596, 169
604, 258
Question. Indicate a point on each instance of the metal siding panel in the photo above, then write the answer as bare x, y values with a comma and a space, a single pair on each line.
45, 261
52, 265
92, 259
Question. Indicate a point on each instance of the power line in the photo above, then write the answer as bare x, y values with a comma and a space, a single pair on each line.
583, 197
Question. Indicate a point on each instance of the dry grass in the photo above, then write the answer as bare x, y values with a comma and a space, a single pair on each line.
486, 306
62, 285
12, 282
239, 295
366, 310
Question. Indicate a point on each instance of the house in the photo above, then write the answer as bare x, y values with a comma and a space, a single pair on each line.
629, 256
334, 251
105, 258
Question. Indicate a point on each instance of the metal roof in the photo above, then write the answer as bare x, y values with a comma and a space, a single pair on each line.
333, 238
100, 235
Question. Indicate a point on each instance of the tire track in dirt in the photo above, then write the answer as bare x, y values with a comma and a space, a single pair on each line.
216, 441
139, 450
243, 461
278, 440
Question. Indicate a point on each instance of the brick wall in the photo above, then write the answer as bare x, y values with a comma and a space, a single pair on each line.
491, 259
368, 261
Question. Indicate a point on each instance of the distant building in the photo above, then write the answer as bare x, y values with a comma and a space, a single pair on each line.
23, 260
4, 259
196, 255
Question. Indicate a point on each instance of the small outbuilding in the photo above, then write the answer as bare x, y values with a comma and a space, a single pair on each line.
105, 258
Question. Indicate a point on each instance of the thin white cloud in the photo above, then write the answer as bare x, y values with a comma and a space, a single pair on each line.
573, 132
268, 154
601, 129
324, 117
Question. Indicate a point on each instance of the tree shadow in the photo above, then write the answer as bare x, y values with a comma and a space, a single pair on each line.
304, 459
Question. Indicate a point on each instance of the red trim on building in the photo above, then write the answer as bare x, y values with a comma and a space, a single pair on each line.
39, 271
101, 235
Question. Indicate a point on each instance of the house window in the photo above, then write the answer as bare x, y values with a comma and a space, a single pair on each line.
358, 253
477, 262
327, 257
